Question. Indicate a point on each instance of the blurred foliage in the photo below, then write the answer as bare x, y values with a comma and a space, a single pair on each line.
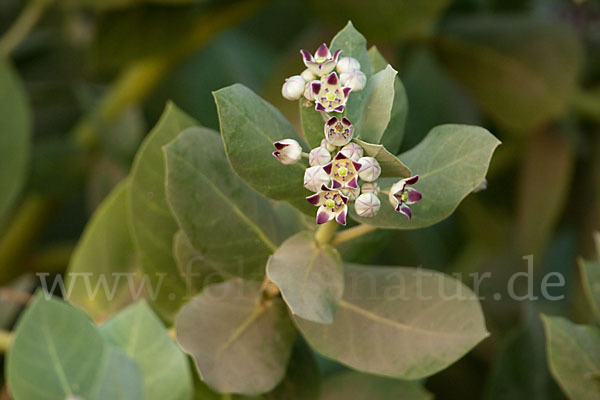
527, 70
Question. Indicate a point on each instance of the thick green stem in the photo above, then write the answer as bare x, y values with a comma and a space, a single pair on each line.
352, 233
325, 233
23, 25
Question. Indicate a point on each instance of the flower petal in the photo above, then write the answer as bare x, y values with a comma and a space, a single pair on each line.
413, 196
332, 79
323, 51
323, 216
314, 199
412, 180
306, 56
341, 217
404, 210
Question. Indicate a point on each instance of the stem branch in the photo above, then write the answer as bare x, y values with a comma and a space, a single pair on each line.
352, 233
325, 232
23, 25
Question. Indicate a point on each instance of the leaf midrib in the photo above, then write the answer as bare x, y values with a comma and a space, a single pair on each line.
259, 232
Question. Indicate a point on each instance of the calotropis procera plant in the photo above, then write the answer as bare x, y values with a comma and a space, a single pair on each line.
227, 233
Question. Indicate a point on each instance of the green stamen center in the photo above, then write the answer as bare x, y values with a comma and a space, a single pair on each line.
329, 203
343, 171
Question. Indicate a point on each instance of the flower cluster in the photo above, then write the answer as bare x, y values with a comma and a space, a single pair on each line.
339, 173
321, 83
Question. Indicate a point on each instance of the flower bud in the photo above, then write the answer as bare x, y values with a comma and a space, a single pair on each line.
309, 94
347, 64
287, 151
325, 143
370, 187
319, 156
367, 205
293, 88
315, 177
352, 151
369, 170
356, 80
308, 75
351, 194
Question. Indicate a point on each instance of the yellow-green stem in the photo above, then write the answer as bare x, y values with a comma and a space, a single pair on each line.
23, 25
352, 233
24, 228
6, 339
325, 232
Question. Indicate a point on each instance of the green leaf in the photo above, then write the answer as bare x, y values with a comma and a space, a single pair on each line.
573, 357
451, 161
302, 380
394, 132
353, 44
377, 101
119, 377
250, 126
152, 223
240, 343
144, 338
405, 323
357, 386
313, 123
196, 271
522, 70
58, 352
104, 263
231, 225
15, 140
310, 277
391, 166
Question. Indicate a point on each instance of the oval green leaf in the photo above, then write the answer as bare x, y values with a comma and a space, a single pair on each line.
152, 223
15, 140
104, 266
451, 162
225, 220
406, 323
240, 344
573, 357
143, 337
58, 353
391, 166
250, 126
310, 277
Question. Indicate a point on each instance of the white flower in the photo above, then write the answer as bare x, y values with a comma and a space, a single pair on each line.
355, 80
352, 151
293, 88
338, 132
367, 205
370, 187
319, 156
401, 195
347, 64
315, 177
369, 170
287, 151
323, 62
308, 75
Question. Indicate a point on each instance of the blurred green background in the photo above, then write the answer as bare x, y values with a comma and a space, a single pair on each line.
97, 75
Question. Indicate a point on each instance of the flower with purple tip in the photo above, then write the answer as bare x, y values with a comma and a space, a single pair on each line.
401, 195
343, 172
323, 62
329, 94
287, 151
338, 132
332, 204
